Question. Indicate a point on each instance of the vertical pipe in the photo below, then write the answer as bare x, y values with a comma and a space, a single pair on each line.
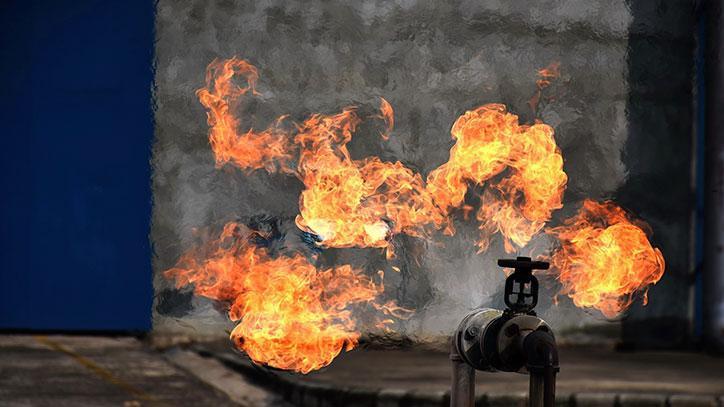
542, 388
462, 389
713, 312
549, 387
535, 390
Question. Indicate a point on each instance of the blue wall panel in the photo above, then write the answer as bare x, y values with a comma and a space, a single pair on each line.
74, 164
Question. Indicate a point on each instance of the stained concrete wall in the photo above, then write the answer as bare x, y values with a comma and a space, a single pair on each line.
621, 110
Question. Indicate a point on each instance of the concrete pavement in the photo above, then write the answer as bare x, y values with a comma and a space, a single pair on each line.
124, 371
415, 377
96, 371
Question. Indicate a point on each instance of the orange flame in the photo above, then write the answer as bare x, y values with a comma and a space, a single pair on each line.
489, 140
547, 74
545, 78
356, 202
291, 315
361, 203
388, 115
266, 149
605, 258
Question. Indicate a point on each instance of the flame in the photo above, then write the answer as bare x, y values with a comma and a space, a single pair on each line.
293, 316
489, 140
388, 115
356, 203
362, 203
266, 149
548, 74
545, 78
290, 315
605, 258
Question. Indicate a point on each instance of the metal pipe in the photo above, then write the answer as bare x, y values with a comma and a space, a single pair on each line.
549, 389
713, 277
514, 340
462, 389
542, 363
535, 390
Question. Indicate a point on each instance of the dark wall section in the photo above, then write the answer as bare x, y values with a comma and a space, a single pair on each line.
658, 156
74, 172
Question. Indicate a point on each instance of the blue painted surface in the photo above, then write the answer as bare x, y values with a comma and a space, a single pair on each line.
74, 164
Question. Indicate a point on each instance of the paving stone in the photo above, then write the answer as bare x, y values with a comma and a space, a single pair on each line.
239, 388
564, 399
595, 399
390, 397
359, 397
95, 371
692, 400
642, 400
426, 398
314, 394
297, 395
512, 399
416, 373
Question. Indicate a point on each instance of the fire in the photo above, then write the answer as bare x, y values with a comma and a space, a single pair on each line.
290, 315
387, 114
362, 203
490, 140
545, 78
356, 203
605, 258
251, 150
548, 74
294, 316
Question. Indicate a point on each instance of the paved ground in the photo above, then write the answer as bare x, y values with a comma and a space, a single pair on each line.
104, 371
588, 377
581, 370
101, 371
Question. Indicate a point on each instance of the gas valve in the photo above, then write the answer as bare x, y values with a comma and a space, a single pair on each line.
511, 340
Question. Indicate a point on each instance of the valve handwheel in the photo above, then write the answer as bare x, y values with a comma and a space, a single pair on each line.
521, 287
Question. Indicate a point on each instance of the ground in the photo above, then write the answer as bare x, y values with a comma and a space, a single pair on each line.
105, 371
125, 371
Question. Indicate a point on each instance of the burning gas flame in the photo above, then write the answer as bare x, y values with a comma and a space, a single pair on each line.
356, 203
545, 78
266, 149
387, 114
361, 203
605, 258
290, 314
293, 316
548, 74
490, 140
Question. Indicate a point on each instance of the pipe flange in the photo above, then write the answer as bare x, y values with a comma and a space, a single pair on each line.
471, 332
510, 340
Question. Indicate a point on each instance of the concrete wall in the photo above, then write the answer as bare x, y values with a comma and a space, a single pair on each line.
621, 110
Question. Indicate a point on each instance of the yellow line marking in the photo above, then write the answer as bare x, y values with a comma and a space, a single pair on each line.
99, 371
